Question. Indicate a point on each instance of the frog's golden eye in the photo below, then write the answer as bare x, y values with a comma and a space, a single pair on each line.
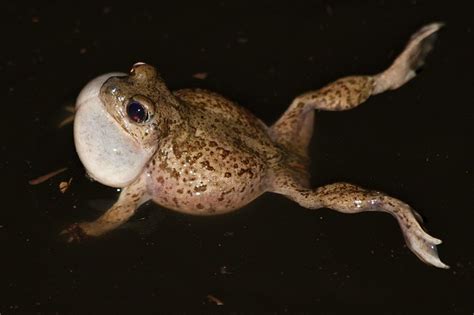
137, 112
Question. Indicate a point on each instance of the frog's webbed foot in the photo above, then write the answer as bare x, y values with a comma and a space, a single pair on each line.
348, 198
409, 62
74, 233
423, 245
417, 239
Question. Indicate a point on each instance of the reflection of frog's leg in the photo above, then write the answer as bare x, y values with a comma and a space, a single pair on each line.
348, 198
129, 200
294, 128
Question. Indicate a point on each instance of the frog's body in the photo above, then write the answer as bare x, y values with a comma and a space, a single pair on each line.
196, 152
217, 162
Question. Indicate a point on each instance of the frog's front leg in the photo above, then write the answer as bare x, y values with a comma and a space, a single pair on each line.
348, 198
128, 202
295, 127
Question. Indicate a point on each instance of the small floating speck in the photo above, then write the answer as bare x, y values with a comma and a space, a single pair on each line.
63, 186
329, 10
215, 300
224, 270
200, 75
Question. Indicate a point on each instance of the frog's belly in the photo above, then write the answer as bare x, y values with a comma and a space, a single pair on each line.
206, 193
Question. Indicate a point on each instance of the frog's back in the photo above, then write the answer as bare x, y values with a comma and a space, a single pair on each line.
221, 106
230, 122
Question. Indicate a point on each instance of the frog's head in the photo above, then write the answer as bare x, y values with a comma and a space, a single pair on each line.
119, 120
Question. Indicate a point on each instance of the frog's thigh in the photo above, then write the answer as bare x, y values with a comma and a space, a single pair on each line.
348, 198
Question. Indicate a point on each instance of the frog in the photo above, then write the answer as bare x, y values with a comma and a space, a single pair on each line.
196, 152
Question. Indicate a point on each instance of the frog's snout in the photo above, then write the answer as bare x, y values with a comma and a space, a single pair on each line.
92, 88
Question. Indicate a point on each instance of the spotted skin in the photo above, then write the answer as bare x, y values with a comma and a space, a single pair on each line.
219, 165
211, 156
295, 127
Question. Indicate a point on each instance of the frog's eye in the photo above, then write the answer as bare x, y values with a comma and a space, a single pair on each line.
137, 112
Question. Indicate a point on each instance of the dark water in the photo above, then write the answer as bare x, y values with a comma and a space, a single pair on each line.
414, 143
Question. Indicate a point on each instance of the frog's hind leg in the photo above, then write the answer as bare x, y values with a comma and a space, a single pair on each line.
295, 126
302, 134
348, 198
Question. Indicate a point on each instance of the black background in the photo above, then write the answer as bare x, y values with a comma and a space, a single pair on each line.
414, 143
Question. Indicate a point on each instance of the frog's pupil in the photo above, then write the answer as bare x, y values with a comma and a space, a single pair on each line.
136, 112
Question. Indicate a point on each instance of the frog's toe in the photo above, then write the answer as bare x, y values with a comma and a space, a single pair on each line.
423, 245
422, 42
73, 234
410, 61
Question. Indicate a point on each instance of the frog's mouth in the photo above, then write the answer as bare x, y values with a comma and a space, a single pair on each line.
110, 155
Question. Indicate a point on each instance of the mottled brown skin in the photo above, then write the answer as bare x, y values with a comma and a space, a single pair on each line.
214, 156
218, 163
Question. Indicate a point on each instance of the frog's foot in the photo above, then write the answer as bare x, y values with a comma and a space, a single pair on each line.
409, 62
78, 232
348, 198
423, 245
74, 233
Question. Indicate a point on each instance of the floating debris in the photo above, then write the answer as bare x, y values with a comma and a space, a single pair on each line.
106, 10
69, 119
66, 121
200, 75
44, 178
63, 186
329, 10
224, 270
215, 300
